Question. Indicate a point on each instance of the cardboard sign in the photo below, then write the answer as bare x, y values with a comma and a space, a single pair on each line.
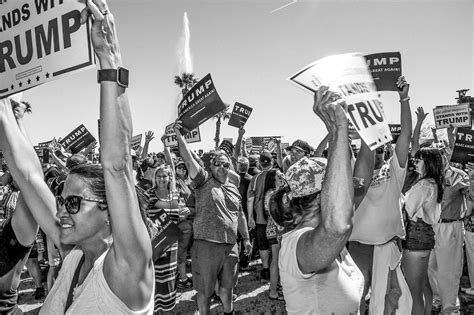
77, 140
41, 41
240, 115
227, 147
452, 115
199, 104
45, 144
136, 141
385, 69
463, 151
168, 233
190, 137
258, 144
348, 74
395, 129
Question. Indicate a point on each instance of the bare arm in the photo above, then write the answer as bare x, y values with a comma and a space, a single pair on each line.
317, 249
189, 161
130, 257
149, 135
403, 142
279, 154
238, 147
322, 146
25, 167
415, 141
364, 169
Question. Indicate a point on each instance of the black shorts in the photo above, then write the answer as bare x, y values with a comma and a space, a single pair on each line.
419, 236
261, 240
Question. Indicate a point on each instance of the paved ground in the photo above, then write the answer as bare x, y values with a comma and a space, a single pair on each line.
252, 297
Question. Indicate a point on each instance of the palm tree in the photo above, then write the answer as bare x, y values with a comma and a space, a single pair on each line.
220, 116
185, 81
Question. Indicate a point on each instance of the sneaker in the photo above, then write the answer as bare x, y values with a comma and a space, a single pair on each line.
40, 293
265, 274
184, 284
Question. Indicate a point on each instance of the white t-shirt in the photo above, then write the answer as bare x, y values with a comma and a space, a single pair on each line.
420, 202
93, 296
379, 216
337, 290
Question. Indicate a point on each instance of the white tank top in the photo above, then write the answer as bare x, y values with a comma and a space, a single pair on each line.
337, 290
93, 296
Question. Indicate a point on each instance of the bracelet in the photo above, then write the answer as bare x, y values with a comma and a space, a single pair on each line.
405, 99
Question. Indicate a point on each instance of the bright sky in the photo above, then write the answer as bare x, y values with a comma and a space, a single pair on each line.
250, 53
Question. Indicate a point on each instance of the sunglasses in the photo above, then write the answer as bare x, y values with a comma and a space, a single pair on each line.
181, 167
73, 203
223, 164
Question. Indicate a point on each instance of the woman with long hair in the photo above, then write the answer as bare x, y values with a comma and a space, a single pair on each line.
164, 195
96, 220
274, 179
423, 208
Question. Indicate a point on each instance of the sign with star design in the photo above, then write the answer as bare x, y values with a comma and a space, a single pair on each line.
41, 41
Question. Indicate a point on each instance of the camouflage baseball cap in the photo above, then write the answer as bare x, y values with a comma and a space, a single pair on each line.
306, 176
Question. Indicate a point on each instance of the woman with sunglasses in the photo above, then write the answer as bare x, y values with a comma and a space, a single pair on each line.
423, 209
317, 273
108, 265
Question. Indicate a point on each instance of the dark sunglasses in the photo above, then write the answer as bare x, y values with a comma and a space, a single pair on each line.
181, 166
73, 203
223, 164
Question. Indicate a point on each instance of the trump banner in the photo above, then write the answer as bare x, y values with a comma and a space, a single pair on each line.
171, 140
452, 115
77, 140
240, 115
463, 150
349, 76
199, 104
385, 69
41, 40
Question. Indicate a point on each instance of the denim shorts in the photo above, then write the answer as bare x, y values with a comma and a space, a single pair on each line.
419, 236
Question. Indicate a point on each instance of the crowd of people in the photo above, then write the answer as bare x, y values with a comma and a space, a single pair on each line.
339, 229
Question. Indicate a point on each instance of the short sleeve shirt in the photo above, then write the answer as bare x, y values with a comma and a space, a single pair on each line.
217, 209
421, 202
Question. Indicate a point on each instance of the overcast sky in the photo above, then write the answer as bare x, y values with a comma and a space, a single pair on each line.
250, 53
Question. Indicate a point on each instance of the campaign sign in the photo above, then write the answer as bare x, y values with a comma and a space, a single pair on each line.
199, 104
385, 69
227, 147
41, 40
171, 140
45, 144
136, 141
349, 75
463, 151
167, 234
77, 140
240, 115
395, 129
452, 115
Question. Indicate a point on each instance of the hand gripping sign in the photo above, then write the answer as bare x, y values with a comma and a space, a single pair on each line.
41, 40
171, 140
348, 75
240, 115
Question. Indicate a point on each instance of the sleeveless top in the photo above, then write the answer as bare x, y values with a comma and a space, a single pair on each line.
93, 296
335, 290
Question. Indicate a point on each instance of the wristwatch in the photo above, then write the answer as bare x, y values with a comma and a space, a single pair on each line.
119, 75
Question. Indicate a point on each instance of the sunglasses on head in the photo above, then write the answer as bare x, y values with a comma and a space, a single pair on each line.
73, 203
223, 164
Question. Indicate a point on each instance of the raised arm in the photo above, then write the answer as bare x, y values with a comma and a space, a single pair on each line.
149, 135
415, 141
129, 260
26, 169
403, 142
363, 169
321, 146
191, 164
238, 147
317, 249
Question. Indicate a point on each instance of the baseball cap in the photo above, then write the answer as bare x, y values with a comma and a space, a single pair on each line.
305, 177
160, 155
265, 156
302, 145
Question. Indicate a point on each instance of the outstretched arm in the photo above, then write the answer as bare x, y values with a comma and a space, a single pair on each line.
191, 164
403, 142
318, 248
130, 257
149, 135
415, 141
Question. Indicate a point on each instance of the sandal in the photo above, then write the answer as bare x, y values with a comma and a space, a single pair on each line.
278, 298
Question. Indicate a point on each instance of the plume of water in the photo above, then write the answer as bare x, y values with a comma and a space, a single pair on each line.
184, 50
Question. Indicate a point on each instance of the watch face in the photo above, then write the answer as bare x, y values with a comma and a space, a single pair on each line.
122, 77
